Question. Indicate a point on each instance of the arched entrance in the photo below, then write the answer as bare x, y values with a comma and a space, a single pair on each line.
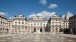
40, 29
34, 29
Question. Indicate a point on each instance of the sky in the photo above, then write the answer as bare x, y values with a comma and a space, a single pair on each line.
31, 8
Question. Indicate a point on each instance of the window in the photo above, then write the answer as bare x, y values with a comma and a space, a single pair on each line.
19, 22
31, 24
66, 23
22, 22
1, 22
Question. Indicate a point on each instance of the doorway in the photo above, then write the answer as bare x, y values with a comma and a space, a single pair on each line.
34, 29
40, 29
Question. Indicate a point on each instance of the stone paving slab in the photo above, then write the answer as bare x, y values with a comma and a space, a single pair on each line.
67, 35
6, 35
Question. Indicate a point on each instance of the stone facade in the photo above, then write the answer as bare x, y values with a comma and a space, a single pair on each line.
3, 24
36, 24
55, 23
19, 24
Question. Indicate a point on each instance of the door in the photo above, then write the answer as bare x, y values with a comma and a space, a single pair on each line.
34, 29
40, 29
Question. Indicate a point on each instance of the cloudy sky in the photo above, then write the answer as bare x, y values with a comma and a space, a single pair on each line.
31, 8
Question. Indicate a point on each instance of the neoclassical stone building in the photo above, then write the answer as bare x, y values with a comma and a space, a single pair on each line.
19, 24
36, 24
3, 24
56, 23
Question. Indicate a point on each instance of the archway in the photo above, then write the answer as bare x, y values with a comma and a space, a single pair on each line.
34, 29
40, 29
